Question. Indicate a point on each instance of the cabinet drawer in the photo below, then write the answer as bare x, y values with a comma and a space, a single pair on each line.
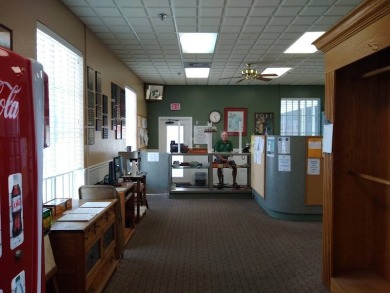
91, 234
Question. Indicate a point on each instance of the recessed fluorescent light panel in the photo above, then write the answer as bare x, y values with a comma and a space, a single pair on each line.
304, 43
197, 72
276, 70
198, 43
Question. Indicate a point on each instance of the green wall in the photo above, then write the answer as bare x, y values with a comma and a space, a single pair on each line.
198, 101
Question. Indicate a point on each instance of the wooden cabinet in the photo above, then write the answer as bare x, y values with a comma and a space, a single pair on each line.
126, 195
86, 251
356, 224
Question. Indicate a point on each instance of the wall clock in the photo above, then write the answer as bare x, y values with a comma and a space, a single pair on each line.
215, 116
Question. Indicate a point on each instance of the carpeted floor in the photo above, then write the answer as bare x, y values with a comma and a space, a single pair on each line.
218, 245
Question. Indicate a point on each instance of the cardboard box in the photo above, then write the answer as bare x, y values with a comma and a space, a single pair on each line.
198, 151
58, 205
47, 220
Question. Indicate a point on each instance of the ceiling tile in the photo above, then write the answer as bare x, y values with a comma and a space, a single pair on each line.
114, 21
248, 31
210, 12
212, 3
127, 3
134, 12
110, 12
314, 10
236, 12
185, 12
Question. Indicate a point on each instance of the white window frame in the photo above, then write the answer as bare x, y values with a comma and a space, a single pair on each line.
63, 160
131, 119
300, 116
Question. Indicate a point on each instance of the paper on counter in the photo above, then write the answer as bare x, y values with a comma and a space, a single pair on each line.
95, 204
84, 210
76, 218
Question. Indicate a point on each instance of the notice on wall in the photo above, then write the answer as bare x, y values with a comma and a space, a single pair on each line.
258, 149
327, 140
270, 146
284, 163
313, 166
283, 145
199, 135
314, 147
153, 157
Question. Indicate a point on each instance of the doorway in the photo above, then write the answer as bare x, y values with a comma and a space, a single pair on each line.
178, 129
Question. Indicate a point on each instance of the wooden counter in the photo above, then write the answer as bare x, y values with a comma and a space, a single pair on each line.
86, 251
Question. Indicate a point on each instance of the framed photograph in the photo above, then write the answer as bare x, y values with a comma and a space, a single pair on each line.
5, 37
264, 123
91, 136
98, 82
235, 118
90, 79
104, 133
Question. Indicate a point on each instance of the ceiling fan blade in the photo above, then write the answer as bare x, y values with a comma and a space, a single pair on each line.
268, 74
240, 80
231, 77
263, 78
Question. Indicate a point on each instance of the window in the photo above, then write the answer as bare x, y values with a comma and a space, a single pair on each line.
131, 119
63, 160
300, 117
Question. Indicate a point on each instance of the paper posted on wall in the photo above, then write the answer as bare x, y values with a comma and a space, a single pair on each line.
327, 138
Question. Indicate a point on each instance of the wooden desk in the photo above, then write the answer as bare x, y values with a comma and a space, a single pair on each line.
86, 251
127, 194
140, 190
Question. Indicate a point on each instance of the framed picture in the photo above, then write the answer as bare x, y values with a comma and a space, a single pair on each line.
90, 79
5, 37
234, 119
264, 123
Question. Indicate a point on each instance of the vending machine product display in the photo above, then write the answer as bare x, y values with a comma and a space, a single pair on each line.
23, 85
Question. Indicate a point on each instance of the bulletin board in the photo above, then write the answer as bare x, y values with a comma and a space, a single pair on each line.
258, 144
314, 171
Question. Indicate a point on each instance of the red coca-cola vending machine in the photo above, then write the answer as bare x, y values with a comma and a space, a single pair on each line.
22, 102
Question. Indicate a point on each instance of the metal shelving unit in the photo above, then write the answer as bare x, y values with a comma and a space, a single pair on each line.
190, 163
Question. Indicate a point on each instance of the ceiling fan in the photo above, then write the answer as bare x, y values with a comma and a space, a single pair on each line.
251, 74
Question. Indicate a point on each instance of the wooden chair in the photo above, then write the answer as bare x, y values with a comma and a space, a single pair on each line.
97, 192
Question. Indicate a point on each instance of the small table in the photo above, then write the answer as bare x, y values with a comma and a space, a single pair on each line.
140, 179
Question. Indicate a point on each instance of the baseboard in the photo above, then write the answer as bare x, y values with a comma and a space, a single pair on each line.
288, 216
211, 195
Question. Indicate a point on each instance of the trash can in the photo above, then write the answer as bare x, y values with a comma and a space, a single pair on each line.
200, 178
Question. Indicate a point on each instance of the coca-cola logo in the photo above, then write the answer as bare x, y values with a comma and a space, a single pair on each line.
9, 106
16, 203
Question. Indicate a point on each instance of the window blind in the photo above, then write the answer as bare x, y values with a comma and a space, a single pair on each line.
300, 117
64, 65
131, 119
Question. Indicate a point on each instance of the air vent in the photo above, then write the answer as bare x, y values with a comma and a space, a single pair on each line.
197, 65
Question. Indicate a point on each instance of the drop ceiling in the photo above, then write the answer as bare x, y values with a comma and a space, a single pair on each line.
249, 31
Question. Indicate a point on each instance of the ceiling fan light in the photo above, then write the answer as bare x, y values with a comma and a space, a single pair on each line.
249, 72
